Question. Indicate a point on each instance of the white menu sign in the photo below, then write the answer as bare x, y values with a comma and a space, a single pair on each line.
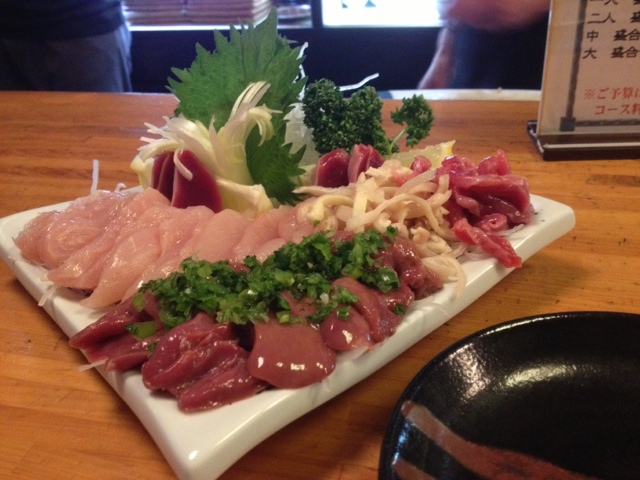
591, 83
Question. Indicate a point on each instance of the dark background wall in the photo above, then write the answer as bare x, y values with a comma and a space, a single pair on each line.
345, 55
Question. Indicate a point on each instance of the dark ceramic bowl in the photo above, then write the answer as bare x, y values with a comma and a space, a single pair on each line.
562, 390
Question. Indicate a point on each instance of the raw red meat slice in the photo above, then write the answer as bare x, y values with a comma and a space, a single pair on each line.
111, 324
346, 334
186, 352
402, 257
162, 174
487, 199
363, 157
498, 247
289, 355
332, 169
382, 321
200, 189
220, 387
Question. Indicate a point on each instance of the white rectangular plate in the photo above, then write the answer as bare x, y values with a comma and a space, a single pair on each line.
203, 445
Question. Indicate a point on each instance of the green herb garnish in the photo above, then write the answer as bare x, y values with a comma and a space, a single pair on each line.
141, 330
338, 122
304, 271
208, 90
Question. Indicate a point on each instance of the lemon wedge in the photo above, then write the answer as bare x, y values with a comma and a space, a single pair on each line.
435, 153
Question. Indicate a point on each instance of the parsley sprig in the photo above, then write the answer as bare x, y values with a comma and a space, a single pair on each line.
304, 271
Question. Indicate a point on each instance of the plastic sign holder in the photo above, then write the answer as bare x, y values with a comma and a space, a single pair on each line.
590, 103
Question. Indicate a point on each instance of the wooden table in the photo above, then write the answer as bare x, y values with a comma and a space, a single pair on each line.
59, 423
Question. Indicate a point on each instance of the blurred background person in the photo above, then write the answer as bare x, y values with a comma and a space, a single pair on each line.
69, 45
489, 44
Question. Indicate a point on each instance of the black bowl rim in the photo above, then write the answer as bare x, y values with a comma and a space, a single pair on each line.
387, 452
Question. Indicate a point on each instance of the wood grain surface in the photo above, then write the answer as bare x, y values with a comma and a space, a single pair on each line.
59, 423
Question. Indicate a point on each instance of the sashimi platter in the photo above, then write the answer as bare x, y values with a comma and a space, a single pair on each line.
279, 249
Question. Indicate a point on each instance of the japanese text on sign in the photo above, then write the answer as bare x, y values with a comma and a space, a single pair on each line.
592, 71
610, 49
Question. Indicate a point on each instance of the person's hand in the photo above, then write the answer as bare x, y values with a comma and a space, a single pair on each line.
494, 15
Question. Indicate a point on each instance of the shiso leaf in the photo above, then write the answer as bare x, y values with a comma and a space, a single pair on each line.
209, 88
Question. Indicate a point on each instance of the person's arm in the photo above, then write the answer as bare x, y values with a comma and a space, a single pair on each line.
439, 73
494, 15
489, 15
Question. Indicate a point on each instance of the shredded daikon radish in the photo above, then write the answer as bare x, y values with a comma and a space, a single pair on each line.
95, 175
448, 268
361, 83
89, 366
48, 293
506, 233
392, 195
